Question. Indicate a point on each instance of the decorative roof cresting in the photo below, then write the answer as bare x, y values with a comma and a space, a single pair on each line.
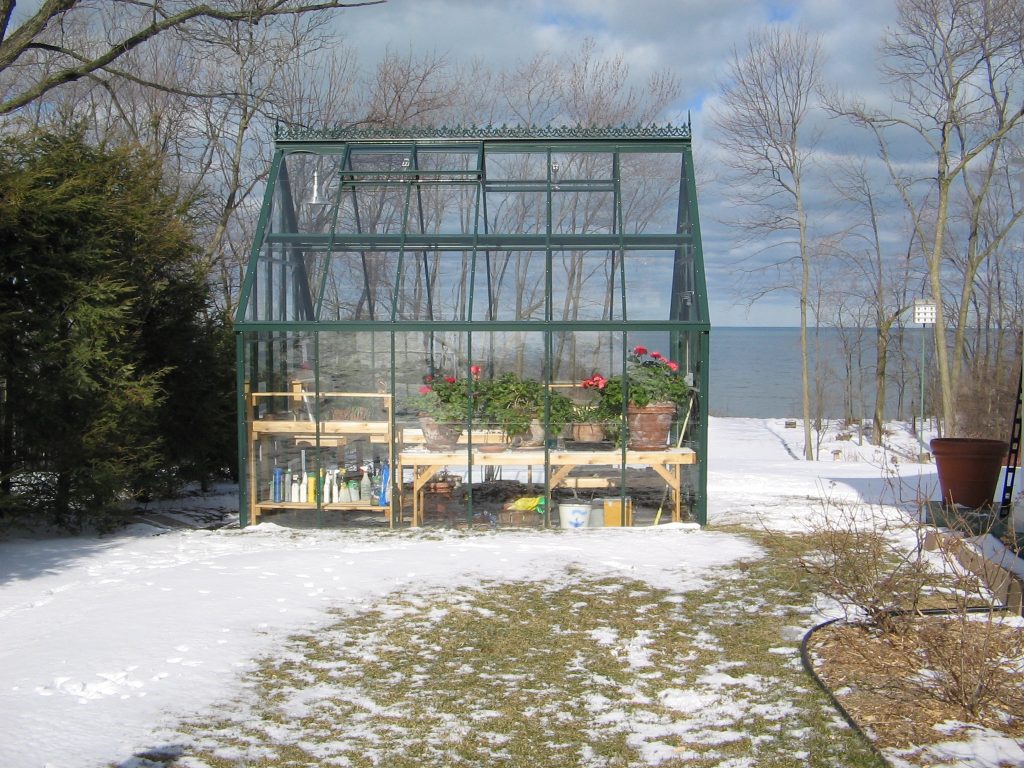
383, 133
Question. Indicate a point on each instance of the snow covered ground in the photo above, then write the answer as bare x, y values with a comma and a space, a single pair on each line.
105, 641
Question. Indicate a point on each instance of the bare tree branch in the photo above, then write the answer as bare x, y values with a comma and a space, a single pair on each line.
154, 19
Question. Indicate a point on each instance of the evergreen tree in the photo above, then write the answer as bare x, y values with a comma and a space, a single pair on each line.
100, 308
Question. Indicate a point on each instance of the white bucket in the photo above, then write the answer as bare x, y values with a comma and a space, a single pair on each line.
573, 516
596, 516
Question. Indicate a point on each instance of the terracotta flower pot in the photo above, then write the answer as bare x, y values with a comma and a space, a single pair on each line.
968, 469
649, 426
588, 432
439, 436
532, 438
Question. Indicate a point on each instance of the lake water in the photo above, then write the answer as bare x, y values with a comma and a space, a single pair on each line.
755, 372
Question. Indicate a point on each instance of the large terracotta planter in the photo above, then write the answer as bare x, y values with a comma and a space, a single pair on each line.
441, 436
649, 426
968, 469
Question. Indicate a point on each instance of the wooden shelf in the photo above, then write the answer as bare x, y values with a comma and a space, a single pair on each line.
341, 507
276, 441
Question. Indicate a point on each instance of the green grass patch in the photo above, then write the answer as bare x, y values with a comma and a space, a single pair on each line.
588, 671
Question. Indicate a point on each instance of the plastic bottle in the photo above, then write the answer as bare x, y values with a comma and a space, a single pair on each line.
301, 477
294, 492
311, 488
385, 480
353, 490
365, 487
343, 493
277, 493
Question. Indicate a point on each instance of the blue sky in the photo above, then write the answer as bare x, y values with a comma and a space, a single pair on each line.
693, 39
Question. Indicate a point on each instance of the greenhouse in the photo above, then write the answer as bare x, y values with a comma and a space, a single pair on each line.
475, 326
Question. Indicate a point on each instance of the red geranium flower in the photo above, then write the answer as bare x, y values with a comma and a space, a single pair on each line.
673, 365
656, 355
639, 351
474, 370
425, 389
450, 379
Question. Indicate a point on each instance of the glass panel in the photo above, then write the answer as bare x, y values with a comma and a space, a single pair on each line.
308, 192
359, 285
435, 285
509, 285
650, 192
443, 209
578, 355
519, 212
573, 167
582, 213
319, 422
282, 289
649, 285
585, 285
516, 166
373, 208
387, 162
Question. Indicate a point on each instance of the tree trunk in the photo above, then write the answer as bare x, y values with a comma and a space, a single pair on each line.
881, 361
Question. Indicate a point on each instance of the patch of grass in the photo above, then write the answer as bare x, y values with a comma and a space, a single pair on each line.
586, 672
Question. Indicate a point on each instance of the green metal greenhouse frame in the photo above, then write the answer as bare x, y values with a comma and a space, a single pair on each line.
381, 256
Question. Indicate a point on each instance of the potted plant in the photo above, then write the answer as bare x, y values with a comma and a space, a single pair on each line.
586, 425
516, 406
970, 461
655, 392
443, 405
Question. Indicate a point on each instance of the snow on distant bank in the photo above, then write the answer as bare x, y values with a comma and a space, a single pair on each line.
757, 477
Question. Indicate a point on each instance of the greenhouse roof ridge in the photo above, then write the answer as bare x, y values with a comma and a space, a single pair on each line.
474, 132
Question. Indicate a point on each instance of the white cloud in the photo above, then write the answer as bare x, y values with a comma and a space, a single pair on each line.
692, 39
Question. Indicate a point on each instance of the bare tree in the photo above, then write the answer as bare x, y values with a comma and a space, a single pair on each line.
955, 68
260, 69
766, 104
872, 273
45, 50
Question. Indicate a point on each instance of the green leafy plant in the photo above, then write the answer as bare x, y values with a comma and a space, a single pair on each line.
585, 412
446, 399
651, 378
512, 403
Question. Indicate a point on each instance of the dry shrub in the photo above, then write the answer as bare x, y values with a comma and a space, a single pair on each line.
859, 562
964, 660
974, 662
